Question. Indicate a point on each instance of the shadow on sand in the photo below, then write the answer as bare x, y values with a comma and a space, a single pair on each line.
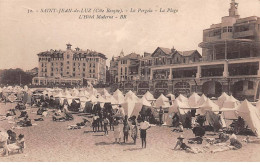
104, 143
133, 149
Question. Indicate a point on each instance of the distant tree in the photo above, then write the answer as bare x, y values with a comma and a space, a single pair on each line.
15, 77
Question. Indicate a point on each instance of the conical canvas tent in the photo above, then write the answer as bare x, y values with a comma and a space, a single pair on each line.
202, 100
118, 95
222, 99
208, 105
148, 96
182, 98
117, 92
162, 101
93, 99
132, 96
178, 107
193, 100
249, 113
129, 93
209, 109
171, 96
229, 108
128, 106
138, 106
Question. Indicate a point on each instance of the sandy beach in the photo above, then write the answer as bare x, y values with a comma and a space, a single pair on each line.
52, 141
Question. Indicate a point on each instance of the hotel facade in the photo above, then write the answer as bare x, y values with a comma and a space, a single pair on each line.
229, 63
70, 67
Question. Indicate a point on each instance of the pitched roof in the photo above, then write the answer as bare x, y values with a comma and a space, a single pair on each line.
131, 56
165, 50
187, 53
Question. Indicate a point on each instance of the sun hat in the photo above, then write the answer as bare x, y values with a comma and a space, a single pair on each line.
180, 137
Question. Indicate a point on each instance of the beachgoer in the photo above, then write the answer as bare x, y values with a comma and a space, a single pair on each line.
144, 125
117, 131
11, 137
160, 115
106, 121
180, 145
134, 131
234, 145
179, 128
126, 129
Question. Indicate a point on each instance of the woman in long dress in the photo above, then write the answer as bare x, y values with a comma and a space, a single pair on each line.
118, 131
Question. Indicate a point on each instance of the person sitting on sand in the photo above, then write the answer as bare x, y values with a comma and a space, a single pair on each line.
11, 137
234, 145
180, 145
248, 140
198, 130
222, 137
179, 128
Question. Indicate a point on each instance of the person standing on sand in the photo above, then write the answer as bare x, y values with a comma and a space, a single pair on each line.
144, 125
105, 125
160, 115
117, 131
134, 131
126, 129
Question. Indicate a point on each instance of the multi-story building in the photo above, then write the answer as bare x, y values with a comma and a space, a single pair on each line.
128, 67
229, 63
113, 69
70, 67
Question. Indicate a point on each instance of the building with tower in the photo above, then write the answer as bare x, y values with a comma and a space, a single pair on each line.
229, 63
71, 67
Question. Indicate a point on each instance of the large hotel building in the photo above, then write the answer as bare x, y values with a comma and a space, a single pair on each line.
229, 63
70, 67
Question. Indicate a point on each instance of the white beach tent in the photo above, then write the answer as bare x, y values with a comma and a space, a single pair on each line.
171, 96
178, 107
162, 101
249, 113
222, 99
118, 95
231, 102
182, 98
93, 99
193, 100
129, 93
138, 106
128, 106
229, 108
208, 105
148, 96
132, 96
202, 100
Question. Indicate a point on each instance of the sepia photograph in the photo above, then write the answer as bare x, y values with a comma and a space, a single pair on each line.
129, 81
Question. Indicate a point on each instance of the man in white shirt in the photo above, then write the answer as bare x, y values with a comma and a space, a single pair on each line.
144, 125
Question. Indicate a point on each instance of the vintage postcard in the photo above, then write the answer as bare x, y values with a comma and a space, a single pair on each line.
129, 80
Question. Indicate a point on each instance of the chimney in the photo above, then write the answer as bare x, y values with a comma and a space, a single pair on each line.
77, 48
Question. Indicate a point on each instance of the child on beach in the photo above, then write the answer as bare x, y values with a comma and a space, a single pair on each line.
105, 125
134, 131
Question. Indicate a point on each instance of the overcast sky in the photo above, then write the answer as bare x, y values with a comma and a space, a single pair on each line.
23, 35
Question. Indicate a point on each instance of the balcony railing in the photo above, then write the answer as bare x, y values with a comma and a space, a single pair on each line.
244, 34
